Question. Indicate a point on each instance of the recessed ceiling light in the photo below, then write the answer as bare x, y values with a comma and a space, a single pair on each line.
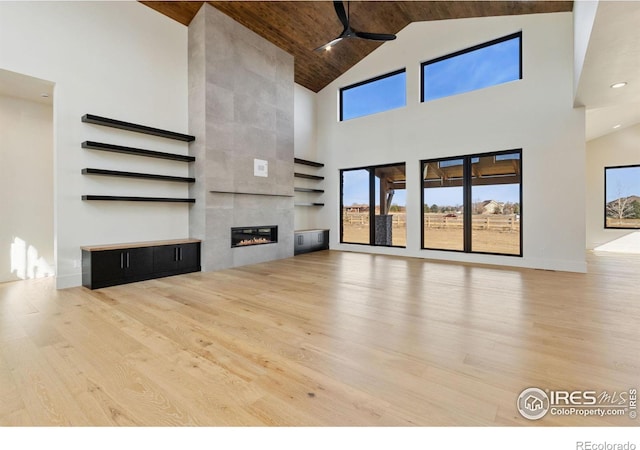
616, 126
618, 85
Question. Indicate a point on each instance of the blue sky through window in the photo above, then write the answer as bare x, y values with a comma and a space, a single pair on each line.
355, 189
375, 96
477, 69
622, 182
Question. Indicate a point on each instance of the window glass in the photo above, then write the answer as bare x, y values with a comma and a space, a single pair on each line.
443, 198
622, 197
355, 206
485, 65
373, 96
390, 219
374, 205
473, 203
495, 194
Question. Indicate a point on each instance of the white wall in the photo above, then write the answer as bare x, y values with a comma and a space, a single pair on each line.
26, 184
305, 147
584, 14
116, 59
620, 148
534, 114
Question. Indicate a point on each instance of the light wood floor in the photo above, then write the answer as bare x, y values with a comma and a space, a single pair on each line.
329, 338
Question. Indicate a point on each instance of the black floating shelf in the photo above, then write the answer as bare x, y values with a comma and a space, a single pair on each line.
104, 121
138, 199
310, 177
317, 191
309, 204
149, 176
136, 151
307, 162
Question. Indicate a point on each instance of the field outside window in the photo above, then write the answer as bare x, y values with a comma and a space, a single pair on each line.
374, 206
473, 203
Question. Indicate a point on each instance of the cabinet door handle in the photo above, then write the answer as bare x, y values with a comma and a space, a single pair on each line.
127, 260
175, 253
122, 260
180, 250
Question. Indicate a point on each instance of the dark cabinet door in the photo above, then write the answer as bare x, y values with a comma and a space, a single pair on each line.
138, 262
107, 265
302, 243
322, 240
318, 240
165, 258
188, 257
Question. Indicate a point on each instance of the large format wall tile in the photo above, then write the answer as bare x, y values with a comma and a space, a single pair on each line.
241, 109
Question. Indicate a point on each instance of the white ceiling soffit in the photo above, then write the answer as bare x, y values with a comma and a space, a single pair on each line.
613, 56
600, 121
17, 85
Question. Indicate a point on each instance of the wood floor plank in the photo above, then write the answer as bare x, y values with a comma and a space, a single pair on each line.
10, 398
46, 399
127, 395
322, 339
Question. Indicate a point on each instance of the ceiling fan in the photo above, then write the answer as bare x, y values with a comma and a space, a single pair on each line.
349, 32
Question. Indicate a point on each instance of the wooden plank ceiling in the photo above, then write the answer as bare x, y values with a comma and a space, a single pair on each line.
299, 27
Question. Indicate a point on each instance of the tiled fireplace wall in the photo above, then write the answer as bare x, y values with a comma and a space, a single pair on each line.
241, 110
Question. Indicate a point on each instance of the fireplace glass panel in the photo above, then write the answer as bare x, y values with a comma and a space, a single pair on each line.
246, 236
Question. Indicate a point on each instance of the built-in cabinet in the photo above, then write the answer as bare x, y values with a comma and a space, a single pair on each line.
306, 241
110, 265
306, 193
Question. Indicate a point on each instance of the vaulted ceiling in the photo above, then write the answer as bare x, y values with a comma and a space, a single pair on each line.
299, 27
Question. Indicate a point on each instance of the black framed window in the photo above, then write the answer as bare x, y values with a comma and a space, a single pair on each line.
373, 205
473, 203
622, 197
488, 64
375, 95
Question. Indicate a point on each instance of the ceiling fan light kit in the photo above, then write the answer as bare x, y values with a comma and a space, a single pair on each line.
348, 32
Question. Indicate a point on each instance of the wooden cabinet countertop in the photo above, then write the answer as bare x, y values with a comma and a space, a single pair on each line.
97, 248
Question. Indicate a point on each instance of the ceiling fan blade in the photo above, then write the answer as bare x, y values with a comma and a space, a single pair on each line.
342, 14
328, 44
375, 36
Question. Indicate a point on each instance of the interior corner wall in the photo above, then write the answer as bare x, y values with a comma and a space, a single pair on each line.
535, 114
121, 60
620, 148
305, 147
26, 184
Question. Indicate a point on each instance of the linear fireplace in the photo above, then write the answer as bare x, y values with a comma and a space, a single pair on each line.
247, 236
